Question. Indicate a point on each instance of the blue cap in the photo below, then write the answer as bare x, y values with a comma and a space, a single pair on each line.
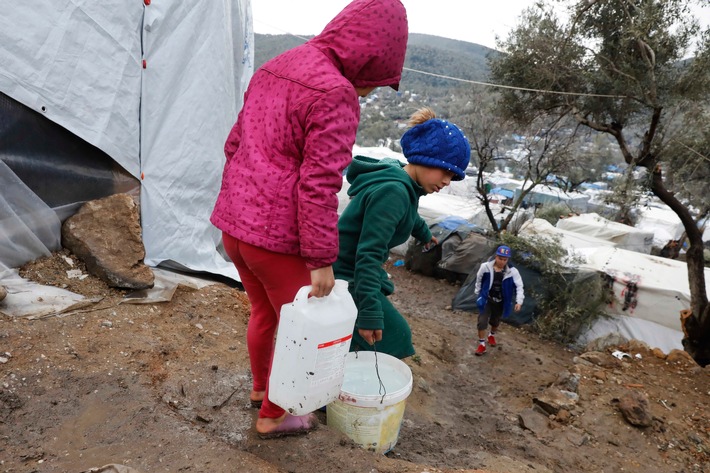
504, 251
440, 144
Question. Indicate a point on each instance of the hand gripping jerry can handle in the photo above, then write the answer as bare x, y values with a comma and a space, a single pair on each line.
302, 298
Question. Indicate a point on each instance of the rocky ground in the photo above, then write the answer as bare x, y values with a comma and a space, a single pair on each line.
164, 388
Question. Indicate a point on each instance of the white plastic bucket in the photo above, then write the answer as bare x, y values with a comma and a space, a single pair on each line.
371, 417
313, 339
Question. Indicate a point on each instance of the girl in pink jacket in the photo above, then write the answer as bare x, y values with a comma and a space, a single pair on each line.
277, 207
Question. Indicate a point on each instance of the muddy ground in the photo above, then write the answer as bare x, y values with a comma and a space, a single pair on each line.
164, 388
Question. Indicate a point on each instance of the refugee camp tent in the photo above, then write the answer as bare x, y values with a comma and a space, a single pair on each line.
155, 86
474, 251
622, 236
547, 195
648, 291
660, 220
576, 243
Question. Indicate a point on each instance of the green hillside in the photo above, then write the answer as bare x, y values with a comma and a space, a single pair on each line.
427, 53
385, 112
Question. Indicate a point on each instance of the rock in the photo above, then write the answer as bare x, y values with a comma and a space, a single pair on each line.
636, 409
563, 416
658, 353
601, 359
552, 400
533, 421
581, 361
638, 346
423, 385
3, 293
601, 375
568, 381
679, 356
608, 340
106, 235
576, 437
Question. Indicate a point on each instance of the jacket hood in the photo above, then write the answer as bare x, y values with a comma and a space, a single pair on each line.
367, 41
364, 172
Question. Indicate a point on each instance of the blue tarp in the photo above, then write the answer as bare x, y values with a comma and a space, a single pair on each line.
501, 191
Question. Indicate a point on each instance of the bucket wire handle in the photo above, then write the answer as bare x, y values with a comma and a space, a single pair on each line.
383, 389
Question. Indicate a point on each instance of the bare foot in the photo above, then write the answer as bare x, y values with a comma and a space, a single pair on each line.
265, 425
257, 396
286, 425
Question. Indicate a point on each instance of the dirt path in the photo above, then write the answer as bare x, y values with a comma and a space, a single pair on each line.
164, 388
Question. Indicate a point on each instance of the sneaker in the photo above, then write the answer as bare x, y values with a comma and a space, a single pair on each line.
481, 349
492, 340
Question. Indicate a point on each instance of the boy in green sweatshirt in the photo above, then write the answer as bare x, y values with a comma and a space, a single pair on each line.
383, 213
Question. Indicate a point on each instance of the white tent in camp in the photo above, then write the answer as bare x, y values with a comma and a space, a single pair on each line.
548, 195
649, 291
662, 222
154, 85
622, 236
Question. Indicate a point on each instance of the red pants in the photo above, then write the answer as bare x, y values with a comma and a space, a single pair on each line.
270, 280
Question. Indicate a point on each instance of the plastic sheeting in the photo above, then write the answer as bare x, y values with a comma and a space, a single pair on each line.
546, 195
655, 335
648, 291
26, 299
622, 236
662, 222
156, 87
28, 227
645, 287
61, 168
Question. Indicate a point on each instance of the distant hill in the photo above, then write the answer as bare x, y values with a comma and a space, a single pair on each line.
427, 53
386, 111
444, 56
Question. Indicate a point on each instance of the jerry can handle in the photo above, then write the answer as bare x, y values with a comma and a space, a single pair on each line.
302, 294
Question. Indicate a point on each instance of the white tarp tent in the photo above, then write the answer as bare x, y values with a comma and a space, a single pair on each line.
155, 85
622, 236
576, 244
649, 291
662, 222
547, 195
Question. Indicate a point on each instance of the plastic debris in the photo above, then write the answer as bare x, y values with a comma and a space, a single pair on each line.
620, 355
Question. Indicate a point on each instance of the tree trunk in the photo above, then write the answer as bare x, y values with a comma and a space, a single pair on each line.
696, 324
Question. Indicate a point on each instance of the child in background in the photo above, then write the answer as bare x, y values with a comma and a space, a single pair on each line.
277, 207
383, 213
498, 284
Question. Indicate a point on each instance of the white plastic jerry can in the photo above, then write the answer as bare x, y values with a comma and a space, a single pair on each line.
313, 339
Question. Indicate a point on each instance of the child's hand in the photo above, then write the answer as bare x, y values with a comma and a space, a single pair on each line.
322, 281
370, 336
430, 244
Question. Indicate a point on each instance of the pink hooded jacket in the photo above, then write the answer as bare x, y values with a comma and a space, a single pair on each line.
294, 135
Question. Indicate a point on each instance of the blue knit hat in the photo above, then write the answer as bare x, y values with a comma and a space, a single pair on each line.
504, 251
439, 144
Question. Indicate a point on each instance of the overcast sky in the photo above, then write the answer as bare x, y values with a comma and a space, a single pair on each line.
475, 21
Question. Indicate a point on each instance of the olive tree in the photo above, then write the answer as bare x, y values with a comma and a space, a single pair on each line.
639, 72
544, 149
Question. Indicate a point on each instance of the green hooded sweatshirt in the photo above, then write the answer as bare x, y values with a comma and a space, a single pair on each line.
382, 213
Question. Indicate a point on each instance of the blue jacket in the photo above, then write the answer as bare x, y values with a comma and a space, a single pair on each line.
512, 287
